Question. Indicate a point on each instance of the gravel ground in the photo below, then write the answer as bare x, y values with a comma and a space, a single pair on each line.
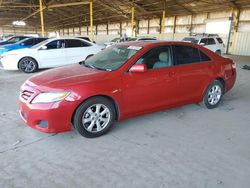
185, 147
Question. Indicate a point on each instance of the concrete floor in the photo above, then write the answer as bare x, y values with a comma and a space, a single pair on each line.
187, 147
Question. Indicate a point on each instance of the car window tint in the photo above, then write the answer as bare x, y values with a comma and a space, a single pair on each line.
28, 42
186, 54
204, 41
220, 40
73, 43
204, 57
56, 44
211, 41
157, 58
38, 40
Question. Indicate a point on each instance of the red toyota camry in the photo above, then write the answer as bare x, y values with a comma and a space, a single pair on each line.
124, 80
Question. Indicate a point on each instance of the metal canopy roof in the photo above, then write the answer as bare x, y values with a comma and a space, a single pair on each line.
68, 13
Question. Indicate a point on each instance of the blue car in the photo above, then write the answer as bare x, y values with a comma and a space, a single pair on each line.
25, 43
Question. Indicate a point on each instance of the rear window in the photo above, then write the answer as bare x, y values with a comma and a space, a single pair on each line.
73, 43
219, 40
211, 41
188, 54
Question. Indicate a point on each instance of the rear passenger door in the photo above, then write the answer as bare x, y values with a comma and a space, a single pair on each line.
76, 50
194, 70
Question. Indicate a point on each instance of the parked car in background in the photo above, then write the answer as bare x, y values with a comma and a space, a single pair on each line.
117, 40
50, 53
25, 43
13, 40
213, 43
85, 38
125, 80
143, 39
113, 41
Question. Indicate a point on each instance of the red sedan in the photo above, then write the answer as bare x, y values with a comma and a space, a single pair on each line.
122, 81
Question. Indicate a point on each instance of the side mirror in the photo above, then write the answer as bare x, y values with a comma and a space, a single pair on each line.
44, 48
138, 68
202, 44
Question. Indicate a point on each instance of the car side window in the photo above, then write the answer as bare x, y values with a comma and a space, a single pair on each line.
186, 54
220, 40
158, 57
204, 57
56, 44
204, 41
28, 42
211, 41
74, 43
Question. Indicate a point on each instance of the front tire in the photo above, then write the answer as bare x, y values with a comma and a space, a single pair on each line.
94, 117
28, 65
213, 94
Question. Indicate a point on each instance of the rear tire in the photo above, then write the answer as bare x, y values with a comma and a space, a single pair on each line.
28, 65
213, 94
94, 117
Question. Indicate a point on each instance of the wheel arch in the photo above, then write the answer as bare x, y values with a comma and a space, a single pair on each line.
18, 64
111, 99
205, 88
222, 82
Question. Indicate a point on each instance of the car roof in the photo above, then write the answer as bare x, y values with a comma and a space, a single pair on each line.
153, 43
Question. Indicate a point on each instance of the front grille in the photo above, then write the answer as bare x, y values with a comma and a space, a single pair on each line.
26, 94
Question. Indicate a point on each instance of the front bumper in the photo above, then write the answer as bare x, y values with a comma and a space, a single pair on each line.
8, 63
47, 117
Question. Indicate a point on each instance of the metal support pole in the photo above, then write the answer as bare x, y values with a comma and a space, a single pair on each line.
91, 19
174, 27
235, 15
132, 17
163, 19
163, 23
41, 16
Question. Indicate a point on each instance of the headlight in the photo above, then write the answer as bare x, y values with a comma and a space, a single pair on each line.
49, 97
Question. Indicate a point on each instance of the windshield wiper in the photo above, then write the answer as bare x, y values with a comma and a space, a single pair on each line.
93, 67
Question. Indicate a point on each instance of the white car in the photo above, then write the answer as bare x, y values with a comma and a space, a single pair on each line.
214, 43
53, 52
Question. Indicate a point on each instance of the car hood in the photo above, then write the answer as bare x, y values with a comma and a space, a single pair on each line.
68, 76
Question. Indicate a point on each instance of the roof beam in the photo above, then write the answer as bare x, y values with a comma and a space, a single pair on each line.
56, 6
112, 9
183, 6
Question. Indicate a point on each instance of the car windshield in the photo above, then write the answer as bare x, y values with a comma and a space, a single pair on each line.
39, 44
112, 58
14, 39
190, 39
23, 41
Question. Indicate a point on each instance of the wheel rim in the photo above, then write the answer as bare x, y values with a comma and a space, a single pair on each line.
214, 95
96, 118
28, 65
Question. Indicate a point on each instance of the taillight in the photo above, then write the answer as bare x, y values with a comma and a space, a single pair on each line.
233, 65
233, 68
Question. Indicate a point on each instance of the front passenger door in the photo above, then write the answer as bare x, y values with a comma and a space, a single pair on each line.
153, 89
54, 55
